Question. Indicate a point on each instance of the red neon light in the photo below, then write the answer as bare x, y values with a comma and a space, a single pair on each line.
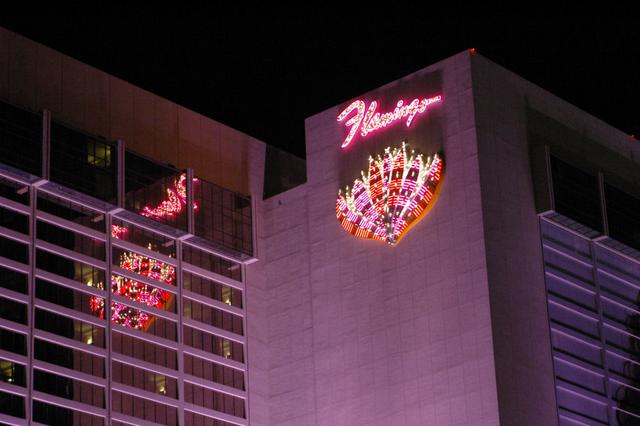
367, 120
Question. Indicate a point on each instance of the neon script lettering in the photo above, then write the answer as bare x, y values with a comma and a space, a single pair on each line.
367, 120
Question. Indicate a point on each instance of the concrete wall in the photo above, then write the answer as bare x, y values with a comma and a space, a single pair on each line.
361, 332
36, 77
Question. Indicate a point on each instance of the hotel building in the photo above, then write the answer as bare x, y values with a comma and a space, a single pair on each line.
480, 264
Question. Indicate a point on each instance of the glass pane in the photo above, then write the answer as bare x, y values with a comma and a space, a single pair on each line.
211, 262
576, 194
71, 211
223, 216
155, 191
72, 359
622, 215
14, 220
66, 387
212, 289
83, 162
21, 138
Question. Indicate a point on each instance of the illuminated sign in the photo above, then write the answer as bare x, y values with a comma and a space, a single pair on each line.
367, 120
398, 190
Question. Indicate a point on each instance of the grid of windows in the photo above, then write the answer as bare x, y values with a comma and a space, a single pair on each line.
115, 340
593, 295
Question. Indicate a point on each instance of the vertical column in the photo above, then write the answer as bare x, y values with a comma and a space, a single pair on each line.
547, 160
603, 204
179, 281
46, 144
107, 314
121, 173
190, 217
28, 404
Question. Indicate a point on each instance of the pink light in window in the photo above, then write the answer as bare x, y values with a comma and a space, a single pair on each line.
367, 120
397, 191
175, 202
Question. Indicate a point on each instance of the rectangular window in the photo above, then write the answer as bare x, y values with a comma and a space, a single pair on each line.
211, 262
13, 373
212, 289
576, 194
15, 221
73, 359
623, 216
144, 351
214, 372
71, 211
69, 298
13, 280
13, 311
82, 162
21, 138
50, 414
14, 250
144, 379
212, 316
143, 237
70, 328
213, 400
70, 240
213, 344
144, 409
68, 388
15, 191
12, 405
71, 269
13, 342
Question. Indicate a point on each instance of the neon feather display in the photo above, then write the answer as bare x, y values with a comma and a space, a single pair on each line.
397, 190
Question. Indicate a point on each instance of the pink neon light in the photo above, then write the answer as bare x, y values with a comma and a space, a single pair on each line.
175, 202
367, 120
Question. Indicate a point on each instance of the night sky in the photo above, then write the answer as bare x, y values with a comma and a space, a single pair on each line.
263, 71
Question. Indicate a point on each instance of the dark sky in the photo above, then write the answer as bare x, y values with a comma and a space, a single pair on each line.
264, 71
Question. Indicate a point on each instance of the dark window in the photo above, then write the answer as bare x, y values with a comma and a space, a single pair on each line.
144, 409
212, 316
13, 311
69, 298
21, 138
68, 388
213, 344
13, 342
13, 220
214, 372
144, 350
71, 211
11, 404
213, 400
211, 262
223, 216
70, 240
200, 420
69, 268
72, 359
56, 415
69, 328
14, 250
83, 163
623, 215
15, 191
576, 194
13, 280
144, 379
212, 289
